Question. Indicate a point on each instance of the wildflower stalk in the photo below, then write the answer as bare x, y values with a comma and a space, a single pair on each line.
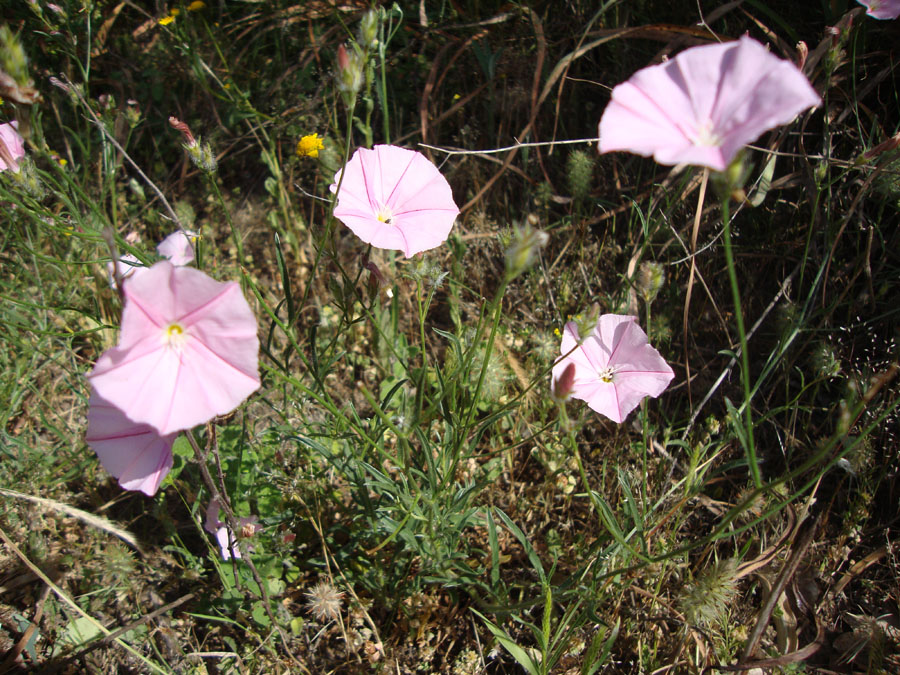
749, 446
235, 526
496, 306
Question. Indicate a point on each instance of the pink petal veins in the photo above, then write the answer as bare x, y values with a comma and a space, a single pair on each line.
188, 350
395, 198
705, 104
134, 453
615, 368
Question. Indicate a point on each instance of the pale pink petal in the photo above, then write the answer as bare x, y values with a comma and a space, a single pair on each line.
705, 104
424, 230
188, 350
882, 9
615, 368
227, 543
177, 247
134, 453
127, 266
212, 522
395, 198
601, 397
14, 146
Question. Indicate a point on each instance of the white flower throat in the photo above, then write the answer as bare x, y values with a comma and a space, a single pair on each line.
384, 215
607, 374
706, 136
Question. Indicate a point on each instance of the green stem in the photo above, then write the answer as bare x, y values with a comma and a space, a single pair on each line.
495, 309
749, 446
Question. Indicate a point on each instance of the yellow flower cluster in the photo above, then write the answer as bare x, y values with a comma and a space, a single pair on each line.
309, 146
195, 6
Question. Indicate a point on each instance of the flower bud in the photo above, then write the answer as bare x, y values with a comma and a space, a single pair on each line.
563, 385
350, 74
186, 135
368, 29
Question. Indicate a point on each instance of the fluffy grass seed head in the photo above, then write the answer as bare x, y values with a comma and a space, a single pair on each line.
526, 242
324, 601
12, 57
580, 171
651, 277
707, 598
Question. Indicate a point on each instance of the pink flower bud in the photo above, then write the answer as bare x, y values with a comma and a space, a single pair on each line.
185, 131
562, 385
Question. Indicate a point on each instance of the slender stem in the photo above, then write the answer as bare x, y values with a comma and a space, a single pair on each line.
497, 304
749, 445
234, 524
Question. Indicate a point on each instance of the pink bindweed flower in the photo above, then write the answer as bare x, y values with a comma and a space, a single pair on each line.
134, 453
615, 368
395, 198
705, 104
882, 9
187, 351
224, 536
127, 266
178, 247
12, 146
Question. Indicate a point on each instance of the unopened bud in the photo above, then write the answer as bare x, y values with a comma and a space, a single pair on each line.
802, 54
368, 29
377, 277
889, 145
350, 74
186, 135
527, 241
563, 385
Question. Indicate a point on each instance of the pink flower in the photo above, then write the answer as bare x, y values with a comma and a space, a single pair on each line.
882, 9
705, 104
134, 453
127, 266
187, 351
224, 535
12, 146
615, 368
178, 247
395, 198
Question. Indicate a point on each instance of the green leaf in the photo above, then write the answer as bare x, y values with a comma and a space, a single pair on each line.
517, 652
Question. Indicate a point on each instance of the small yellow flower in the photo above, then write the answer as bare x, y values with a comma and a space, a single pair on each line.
166, 20
196, 6
174, 11
556, 332
309, 146
62, 161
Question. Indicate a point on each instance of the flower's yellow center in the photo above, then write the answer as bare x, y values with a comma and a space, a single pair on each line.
174, 335
607, 374
384, 215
